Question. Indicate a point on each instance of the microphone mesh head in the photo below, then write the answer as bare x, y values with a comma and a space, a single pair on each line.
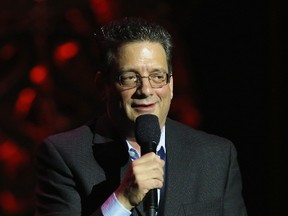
147, 129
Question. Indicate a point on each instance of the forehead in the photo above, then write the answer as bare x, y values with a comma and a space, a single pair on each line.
141, 54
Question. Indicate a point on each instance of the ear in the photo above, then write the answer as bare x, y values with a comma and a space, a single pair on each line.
171, 86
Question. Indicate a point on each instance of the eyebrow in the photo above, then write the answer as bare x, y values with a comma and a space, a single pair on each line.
123, 70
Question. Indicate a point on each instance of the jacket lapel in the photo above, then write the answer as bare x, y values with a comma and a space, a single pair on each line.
177, 178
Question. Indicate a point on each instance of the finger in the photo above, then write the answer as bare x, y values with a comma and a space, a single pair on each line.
148, 171
151, 168
149, 183
152, 157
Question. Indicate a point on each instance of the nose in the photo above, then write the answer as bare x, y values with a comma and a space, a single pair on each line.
145, 87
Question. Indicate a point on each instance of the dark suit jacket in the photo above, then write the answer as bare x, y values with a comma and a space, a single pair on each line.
79, 169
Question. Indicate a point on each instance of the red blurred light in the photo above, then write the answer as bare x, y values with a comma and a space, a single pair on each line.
38, 74
66, 51
77, 20
24, 101
9, 203
102, 10
184, 110
12, 157
11, 154
190, 116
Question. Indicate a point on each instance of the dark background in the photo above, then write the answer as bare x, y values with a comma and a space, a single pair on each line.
230, 72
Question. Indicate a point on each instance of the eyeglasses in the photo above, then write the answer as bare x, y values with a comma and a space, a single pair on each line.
133, 79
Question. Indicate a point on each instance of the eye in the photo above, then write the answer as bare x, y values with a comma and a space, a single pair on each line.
128, 78
158, 77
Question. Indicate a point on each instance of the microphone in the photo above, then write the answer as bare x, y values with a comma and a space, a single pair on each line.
147, 134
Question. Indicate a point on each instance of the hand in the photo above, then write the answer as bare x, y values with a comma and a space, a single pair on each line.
144, 174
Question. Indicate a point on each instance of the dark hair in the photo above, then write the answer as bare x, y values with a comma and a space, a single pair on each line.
118, 32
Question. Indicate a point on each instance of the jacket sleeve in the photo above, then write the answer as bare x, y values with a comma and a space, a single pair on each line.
56, 191
233, 200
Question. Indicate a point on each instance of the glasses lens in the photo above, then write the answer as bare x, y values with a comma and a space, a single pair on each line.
158, 79
128, 79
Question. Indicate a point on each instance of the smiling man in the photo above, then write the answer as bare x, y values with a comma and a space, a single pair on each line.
144, 85
98, 169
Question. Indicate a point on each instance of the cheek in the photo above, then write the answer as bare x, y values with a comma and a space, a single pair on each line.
119, 97
165, 98
166, 94
124, 99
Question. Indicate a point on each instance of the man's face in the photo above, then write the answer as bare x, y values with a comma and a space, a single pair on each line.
125, 104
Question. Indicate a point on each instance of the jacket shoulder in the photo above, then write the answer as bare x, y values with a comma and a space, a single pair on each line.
186, 134
76, 143
81, 134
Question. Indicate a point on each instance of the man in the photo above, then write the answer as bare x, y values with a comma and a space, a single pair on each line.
91, 170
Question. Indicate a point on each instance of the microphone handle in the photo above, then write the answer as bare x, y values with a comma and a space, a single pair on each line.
151, 203
151, 199
151, 212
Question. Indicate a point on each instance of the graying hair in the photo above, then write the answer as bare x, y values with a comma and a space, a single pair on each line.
118, 32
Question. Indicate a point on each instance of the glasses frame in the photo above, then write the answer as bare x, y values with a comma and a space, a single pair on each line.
138, 82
